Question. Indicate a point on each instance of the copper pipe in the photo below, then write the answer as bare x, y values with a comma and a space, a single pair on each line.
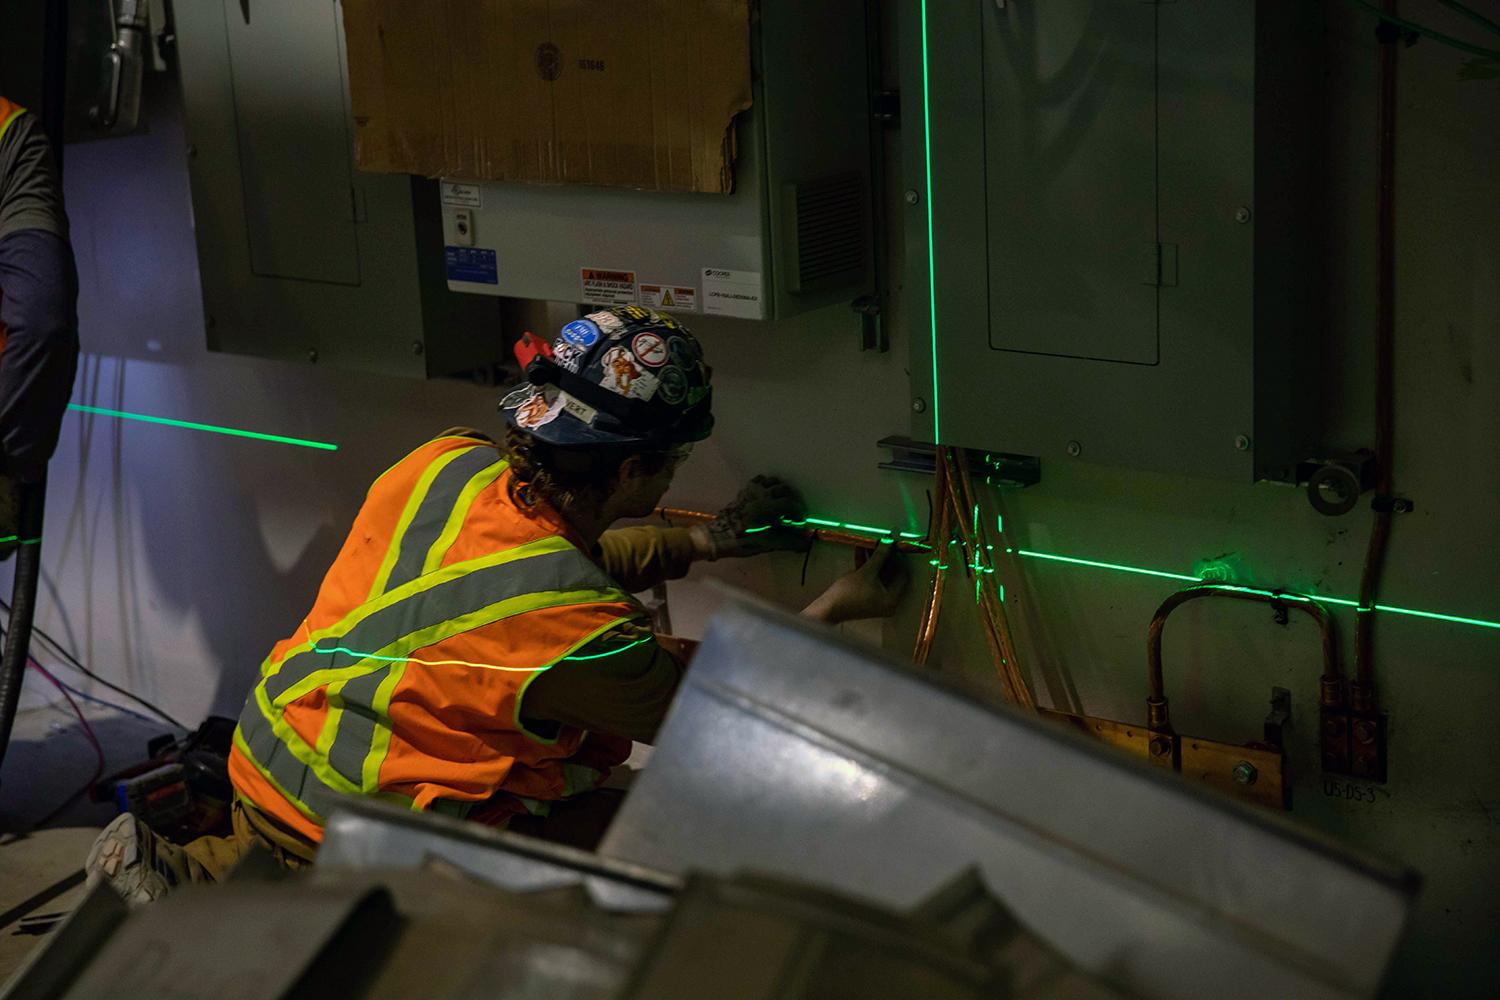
996, 623
833, 535
1156, 704
927, 629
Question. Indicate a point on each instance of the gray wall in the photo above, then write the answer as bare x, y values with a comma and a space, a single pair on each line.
175, 559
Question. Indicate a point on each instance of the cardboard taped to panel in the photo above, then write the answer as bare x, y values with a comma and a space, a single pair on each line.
638, 93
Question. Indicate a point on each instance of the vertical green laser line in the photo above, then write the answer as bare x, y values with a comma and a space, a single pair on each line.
931, 253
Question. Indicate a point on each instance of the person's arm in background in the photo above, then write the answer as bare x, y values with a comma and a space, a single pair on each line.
38, 301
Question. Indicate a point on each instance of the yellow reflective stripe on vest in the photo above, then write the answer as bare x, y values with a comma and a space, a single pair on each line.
459, 512
408, 514
324, 638
436, 511
16, 112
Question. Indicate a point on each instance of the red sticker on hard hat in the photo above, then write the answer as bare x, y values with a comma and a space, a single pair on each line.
650, 348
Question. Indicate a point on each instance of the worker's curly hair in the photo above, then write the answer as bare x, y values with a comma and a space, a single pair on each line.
567, 478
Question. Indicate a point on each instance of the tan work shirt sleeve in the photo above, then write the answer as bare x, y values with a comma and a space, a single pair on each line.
641, 557
622, 684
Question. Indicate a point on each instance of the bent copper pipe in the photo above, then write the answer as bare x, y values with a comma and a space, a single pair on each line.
1331, 692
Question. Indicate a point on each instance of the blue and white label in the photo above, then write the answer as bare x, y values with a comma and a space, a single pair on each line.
581, 333
472, 264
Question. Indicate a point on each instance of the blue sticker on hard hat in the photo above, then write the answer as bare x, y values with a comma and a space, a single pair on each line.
581, 333
674, 385
471, 264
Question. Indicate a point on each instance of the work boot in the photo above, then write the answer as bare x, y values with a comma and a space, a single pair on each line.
133, 860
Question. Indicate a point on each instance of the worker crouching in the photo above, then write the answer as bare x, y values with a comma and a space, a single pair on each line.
475, 649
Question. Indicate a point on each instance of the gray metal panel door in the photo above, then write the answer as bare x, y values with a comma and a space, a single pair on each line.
295, 160
1070, 151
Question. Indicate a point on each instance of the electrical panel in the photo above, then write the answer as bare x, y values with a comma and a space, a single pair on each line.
1111, 214
794, 235
302, 257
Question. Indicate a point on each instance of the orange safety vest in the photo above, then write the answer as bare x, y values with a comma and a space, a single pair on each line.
404, 682
9, 112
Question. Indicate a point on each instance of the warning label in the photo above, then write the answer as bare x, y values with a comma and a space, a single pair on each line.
732, 293
607, 288
462, 195
683, 298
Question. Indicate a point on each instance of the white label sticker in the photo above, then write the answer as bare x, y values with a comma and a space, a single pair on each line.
462, 195
577, 407
603, 287
683, 298
732, 293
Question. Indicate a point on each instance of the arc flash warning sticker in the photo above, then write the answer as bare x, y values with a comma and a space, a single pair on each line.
603, 287
680, 297
650, 348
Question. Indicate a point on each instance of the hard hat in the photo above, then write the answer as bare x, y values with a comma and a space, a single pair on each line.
623, 376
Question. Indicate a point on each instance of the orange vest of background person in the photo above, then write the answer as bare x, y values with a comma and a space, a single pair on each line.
404, 681
9, 112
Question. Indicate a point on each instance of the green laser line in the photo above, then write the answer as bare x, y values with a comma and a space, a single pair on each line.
211, 428
931, 252
469, 663
19, 540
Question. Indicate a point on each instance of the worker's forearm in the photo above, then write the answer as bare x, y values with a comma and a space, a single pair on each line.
641, 557
38, 296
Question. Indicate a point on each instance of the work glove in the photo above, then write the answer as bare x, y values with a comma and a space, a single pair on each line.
752, 523
873, 590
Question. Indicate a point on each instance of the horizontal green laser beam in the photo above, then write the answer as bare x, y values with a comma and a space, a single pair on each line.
211, 428
1142, 571
18, 540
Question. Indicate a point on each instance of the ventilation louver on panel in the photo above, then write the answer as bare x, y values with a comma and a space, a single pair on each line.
828, 238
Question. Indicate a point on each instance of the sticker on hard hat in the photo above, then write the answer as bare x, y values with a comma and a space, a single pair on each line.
673, 386
606, 321
681, 351
516, 397
536, 411
650, 348
622, 374
581, 333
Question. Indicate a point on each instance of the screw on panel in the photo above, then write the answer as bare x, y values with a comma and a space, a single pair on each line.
1242, 214
416, 347
1075, 449
1160, 746
1245, 773
312, 354
911, 196
1241, 443
919, 405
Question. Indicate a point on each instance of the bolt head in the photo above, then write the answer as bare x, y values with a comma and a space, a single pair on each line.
912, 197
1242, 215
1245, 773
312, 354
1075, 449
1241, 443
1160, 746
416, 347
1364, 731
919, 405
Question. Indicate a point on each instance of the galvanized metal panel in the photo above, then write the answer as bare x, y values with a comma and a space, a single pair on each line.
791, 753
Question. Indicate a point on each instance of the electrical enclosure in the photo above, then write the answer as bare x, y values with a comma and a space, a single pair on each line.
794, 235
1109, 230
302, 257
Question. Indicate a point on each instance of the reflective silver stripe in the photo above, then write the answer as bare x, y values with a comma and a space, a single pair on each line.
433, 513
464, 595
274, 758
356, 726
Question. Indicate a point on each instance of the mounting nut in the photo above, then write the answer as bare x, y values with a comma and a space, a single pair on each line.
1245, 773
1364, 731
312, 354
1241, 443
919, 405
1075, 449
1160, 746
912, 197
1242, 215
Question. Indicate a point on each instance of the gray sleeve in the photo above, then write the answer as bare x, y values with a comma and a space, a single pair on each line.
30, 196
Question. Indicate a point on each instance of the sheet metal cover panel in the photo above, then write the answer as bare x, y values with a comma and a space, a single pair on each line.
791, 753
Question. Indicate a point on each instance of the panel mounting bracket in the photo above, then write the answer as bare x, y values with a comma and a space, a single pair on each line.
991, 468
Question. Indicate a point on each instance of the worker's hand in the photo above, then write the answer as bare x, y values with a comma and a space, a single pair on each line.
752, 524
872, 591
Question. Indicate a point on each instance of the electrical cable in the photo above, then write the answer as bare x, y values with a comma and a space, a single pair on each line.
1426, 32
88, 731
76, 665
101, 702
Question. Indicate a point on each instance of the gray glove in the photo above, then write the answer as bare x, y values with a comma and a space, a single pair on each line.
752, 523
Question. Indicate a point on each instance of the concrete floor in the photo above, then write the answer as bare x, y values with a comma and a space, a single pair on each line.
48, 760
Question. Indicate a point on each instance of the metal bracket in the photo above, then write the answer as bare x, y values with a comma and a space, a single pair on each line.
987, 467
872, 335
